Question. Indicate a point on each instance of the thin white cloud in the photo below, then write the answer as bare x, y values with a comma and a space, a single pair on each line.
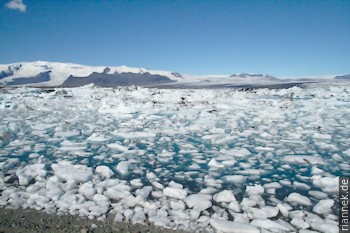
16, 5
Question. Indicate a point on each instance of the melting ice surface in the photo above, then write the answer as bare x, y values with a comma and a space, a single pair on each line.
215, 160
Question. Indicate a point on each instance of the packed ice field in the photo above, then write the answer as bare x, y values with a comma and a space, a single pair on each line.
215, 160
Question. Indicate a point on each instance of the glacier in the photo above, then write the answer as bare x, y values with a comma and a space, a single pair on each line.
264, 160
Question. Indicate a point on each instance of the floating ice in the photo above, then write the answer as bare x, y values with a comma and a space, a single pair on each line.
232, 227
299, 223
96, 137
318, 194
104, 171
88, 190
215, 164
268, 224
323, 206
269, 160
254, 190
224, 196
29, 172
117, 146
299, 199
123, 168
118, 192
235, 179
328, 184
265, 212
198, 202
69, 172
177, 193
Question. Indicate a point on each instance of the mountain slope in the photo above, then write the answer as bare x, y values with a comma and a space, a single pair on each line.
54, 74
42, 73
342, 77
117, 79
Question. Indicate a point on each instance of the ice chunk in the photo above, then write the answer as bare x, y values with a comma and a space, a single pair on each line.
254, 190
321, 225
144, 192
137, 183
318, 194
265, 212
175, 185
237, 152
234, 205
322, 136
118, 217
215, 164
87, 189
37, 201
66, 134
297, 184
307, 231
52, 189
117, 192
101, 200
198, 202
299, 199
323, 206
286, 224
157, 194
194, 166
151, 176
29, 172
175, 193
268, 224
104, 171
224, 196
299, 223
299, 159
139, 217
235, 179
177, 205
328, 184
128, 214
69, 172
284, 208
232, 227
117, 146
316, 171
72, 146
97, 137
273, 185
123, 168
157, 185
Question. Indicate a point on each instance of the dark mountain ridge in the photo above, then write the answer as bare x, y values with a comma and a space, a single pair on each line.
117, 79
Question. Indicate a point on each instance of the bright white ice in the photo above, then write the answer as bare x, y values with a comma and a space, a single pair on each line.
219, 159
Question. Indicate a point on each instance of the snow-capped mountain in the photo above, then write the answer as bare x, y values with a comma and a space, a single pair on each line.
42, 73
53, 74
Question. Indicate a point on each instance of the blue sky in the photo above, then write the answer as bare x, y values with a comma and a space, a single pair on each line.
281, 38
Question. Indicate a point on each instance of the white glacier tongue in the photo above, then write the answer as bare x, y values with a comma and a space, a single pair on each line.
221, 160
